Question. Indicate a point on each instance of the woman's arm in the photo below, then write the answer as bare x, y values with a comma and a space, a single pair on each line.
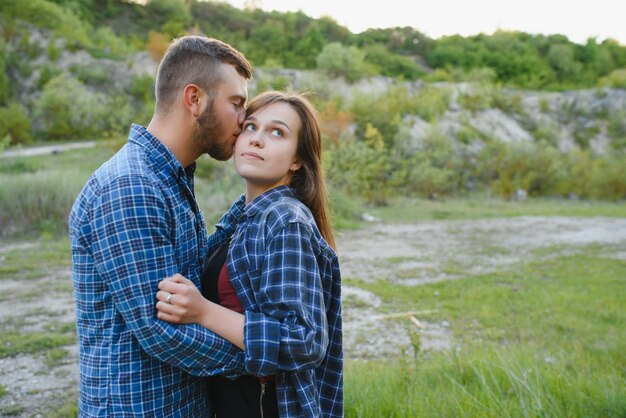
290, 330
188, 306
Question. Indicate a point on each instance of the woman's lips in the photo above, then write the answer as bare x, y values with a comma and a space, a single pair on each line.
253, 155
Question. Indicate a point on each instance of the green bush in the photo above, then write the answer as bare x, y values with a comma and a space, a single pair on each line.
142, 88
392, 65
4, 79
608, 178
68, 110
54, 52
377, 112
341, 61
506, 168
108, 44
15, 124
430, 103
434, 168
616, 79
362, 167
48, 15
91, 75
617, 130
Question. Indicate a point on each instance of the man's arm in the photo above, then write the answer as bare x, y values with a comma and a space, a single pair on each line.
132, 250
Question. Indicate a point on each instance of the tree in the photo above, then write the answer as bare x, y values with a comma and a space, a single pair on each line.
561, 58
341, 61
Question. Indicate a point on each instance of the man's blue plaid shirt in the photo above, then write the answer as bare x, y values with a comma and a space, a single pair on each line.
288, 280
136, 222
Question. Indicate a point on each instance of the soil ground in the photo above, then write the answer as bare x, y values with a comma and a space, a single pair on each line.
406, 254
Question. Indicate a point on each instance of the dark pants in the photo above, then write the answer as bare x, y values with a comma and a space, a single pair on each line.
242, 398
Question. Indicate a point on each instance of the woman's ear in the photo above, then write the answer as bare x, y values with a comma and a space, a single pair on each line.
295, 166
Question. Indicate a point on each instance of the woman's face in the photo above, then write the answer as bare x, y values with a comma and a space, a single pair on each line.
265, 151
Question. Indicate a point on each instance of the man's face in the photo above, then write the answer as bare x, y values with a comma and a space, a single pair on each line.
219, 125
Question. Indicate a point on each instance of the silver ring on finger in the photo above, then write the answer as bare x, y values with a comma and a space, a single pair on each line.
168, 298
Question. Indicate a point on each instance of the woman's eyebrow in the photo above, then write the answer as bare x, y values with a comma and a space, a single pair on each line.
275, 121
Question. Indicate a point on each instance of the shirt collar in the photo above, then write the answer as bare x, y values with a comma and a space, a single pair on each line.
266, 199
159, 153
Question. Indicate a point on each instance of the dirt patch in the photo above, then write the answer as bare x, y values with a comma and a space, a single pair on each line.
406, 254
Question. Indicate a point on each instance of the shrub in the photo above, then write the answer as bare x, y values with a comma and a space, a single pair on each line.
362, 168
4, 79
535, 168
48, 15
382, 113
142, 88
341, 61
434, 169
430, 103
70, 111
392, 65
608, 178
15, 124
616, 79
157, 44
617, 130
107, 43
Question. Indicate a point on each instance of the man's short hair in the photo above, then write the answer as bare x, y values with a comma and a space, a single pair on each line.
195, 59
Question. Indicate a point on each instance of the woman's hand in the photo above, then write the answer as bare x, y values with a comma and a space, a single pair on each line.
180, 301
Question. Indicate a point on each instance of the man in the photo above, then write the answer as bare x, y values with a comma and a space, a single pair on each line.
135, 222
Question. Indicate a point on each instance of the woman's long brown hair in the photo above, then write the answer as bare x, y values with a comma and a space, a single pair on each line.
307, 182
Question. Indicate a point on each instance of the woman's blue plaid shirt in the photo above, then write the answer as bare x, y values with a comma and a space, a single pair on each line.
136, 222
288, 281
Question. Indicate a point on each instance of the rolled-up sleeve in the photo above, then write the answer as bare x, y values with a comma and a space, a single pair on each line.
133, 251
290, 332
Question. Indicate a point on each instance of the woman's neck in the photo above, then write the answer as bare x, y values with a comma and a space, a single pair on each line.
255, 190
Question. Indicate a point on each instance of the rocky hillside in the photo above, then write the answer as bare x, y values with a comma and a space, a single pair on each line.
592, 119
471, 112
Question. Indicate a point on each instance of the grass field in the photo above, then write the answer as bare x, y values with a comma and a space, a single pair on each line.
545, 341
543, 338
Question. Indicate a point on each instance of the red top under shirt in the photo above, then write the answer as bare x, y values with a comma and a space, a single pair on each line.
226, 292
228, 299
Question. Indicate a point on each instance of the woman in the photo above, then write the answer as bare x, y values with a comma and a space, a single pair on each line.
277, 296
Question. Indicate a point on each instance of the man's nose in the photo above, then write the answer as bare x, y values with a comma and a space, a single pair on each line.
242, 116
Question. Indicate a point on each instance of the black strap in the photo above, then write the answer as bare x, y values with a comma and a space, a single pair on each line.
212, 267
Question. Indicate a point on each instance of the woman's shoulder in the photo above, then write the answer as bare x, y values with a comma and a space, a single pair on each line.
284, 211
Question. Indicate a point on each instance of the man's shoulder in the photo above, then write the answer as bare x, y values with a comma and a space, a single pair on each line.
128, 168
130, 160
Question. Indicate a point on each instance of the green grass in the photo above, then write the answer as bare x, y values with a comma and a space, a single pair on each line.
13, 343
544, 341
34, 261
481, 207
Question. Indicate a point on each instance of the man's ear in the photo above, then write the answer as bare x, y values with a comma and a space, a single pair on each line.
192, 99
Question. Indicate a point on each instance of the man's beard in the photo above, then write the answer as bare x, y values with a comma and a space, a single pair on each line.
206, 136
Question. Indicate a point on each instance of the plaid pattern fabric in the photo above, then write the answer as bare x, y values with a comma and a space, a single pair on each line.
136, 222
287, 278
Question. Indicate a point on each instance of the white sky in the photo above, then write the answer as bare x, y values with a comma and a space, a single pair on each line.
577, 19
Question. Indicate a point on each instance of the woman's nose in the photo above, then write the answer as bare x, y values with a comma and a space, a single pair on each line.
256, 140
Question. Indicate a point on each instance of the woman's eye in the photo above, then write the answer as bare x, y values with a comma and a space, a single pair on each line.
249, 127
276, 132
